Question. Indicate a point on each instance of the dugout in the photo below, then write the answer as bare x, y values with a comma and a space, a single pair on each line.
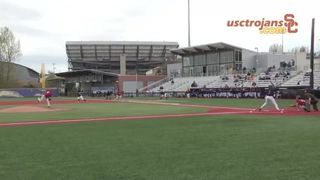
96, 83
89, 80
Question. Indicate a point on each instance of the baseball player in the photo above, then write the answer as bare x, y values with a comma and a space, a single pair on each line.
271, 93
47, 95
80, 96
119, 95
300, 104
163, 95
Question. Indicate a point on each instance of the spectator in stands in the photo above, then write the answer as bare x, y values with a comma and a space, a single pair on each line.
254, 84
194, 84
172, 82
307, 74
225, 78
292, 62
298, 83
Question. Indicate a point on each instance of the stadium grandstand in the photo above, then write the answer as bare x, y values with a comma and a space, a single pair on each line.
224, 66
120, 57
100, 66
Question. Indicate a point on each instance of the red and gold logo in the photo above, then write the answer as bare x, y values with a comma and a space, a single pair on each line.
287, 25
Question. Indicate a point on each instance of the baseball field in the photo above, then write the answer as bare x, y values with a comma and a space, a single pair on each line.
148, 138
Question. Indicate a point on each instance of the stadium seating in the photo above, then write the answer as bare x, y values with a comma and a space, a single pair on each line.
303, 79
283, 79
184, 83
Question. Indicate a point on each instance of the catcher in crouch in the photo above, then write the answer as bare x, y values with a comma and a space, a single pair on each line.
300, 104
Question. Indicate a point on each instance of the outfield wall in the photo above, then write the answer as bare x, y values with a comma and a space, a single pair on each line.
25, 92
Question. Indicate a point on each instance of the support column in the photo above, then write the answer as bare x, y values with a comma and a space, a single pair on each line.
123, 70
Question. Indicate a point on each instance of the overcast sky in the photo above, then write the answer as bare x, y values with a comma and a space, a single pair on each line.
43, 26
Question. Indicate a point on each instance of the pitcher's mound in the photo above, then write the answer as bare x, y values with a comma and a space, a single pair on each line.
21, 109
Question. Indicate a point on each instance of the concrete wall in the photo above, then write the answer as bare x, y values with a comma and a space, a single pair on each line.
248, 59
174, 70
123, 68
26, 92
266, 60
317, 64
262, 63
132, 86
303, 64
129, 83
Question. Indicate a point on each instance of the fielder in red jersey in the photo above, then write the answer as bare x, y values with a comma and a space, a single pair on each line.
47, 94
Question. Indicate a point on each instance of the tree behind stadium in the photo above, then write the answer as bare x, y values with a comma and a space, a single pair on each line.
9, 52
275, 48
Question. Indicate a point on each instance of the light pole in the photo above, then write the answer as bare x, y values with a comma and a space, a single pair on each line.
137, 74
189, 44
53, 67
312, 55
282, 43
256, 65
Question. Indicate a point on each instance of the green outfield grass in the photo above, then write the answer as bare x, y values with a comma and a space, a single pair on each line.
215, 147
222, 147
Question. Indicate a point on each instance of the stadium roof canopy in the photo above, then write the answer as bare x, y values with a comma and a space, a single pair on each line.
81, 72
214, 47
105, 55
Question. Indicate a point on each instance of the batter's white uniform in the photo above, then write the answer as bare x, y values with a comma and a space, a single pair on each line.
270, 98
